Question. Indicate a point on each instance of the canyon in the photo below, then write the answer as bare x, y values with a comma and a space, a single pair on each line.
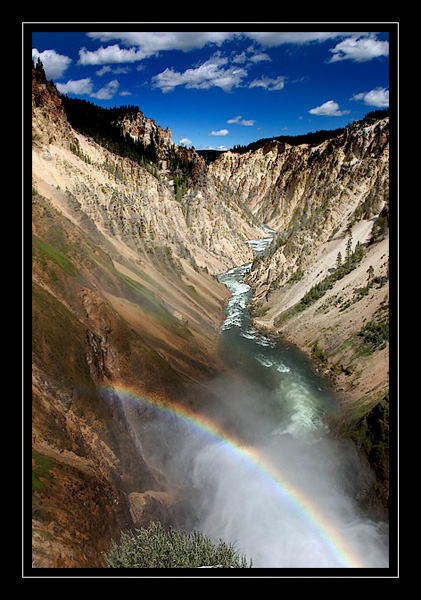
325, 202
126, 295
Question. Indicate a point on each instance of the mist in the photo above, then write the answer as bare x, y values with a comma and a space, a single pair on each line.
232, 498
240, 505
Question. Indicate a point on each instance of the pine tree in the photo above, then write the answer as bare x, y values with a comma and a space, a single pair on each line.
358, 252
338, 261
39, 66
370, 274
349, 251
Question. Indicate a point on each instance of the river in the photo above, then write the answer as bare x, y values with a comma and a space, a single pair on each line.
298, 396
262, 472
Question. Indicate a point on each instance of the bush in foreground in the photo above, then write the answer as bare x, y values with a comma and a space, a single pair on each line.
155, 548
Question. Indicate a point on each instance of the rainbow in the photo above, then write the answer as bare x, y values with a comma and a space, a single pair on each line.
315, 520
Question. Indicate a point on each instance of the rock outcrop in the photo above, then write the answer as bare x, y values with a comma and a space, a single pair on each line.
49, 120
145, 130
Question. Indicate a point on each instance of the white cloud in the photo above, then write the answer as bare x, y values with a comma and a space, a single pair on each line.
85, 87
209, 74
378, 97
222, 148
277, 38
54, 64
328, 109
240, 121
108, 91
168, 80
259, 57
115, 70
268, 83
255, 56
359, 49
103, 70
220, 133
140, 45
149, 43
185, 142
239, 58
109, 55
79, 87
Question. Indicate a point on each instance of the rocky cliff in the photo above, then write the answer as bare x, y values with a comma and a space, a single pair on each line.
317, 190
143, 129
49, 119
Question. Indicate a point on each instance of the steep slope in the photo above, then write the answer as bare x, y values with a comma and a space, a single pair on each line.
324, 283
123, 295
294, 186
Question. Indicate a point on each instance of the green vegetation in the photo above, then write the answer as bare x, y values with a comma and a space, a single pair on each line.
210, 155
352, 259
75, 148
155, 548
39, 66
375, 334
101, 124
317, 353
367, 423
45, 252
297, 276
139, 273
376, 442
380, 228
41, 469
313, 138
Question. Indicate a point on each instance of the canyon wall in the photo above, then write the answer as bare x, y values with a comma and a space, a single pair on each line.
123, 294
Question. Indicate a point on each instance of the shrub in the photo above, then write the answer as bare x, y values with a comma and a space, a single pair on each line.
375, 334
156, 548
317, 353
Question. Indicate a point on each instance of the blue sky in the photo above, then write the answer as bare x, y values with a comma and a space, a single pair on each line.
216, 89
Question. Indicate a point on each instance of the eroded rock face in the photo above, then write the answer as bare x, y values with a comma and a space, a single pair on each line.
312, 187
145, 130
49, 121
102, 355
310, 195
151, 506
